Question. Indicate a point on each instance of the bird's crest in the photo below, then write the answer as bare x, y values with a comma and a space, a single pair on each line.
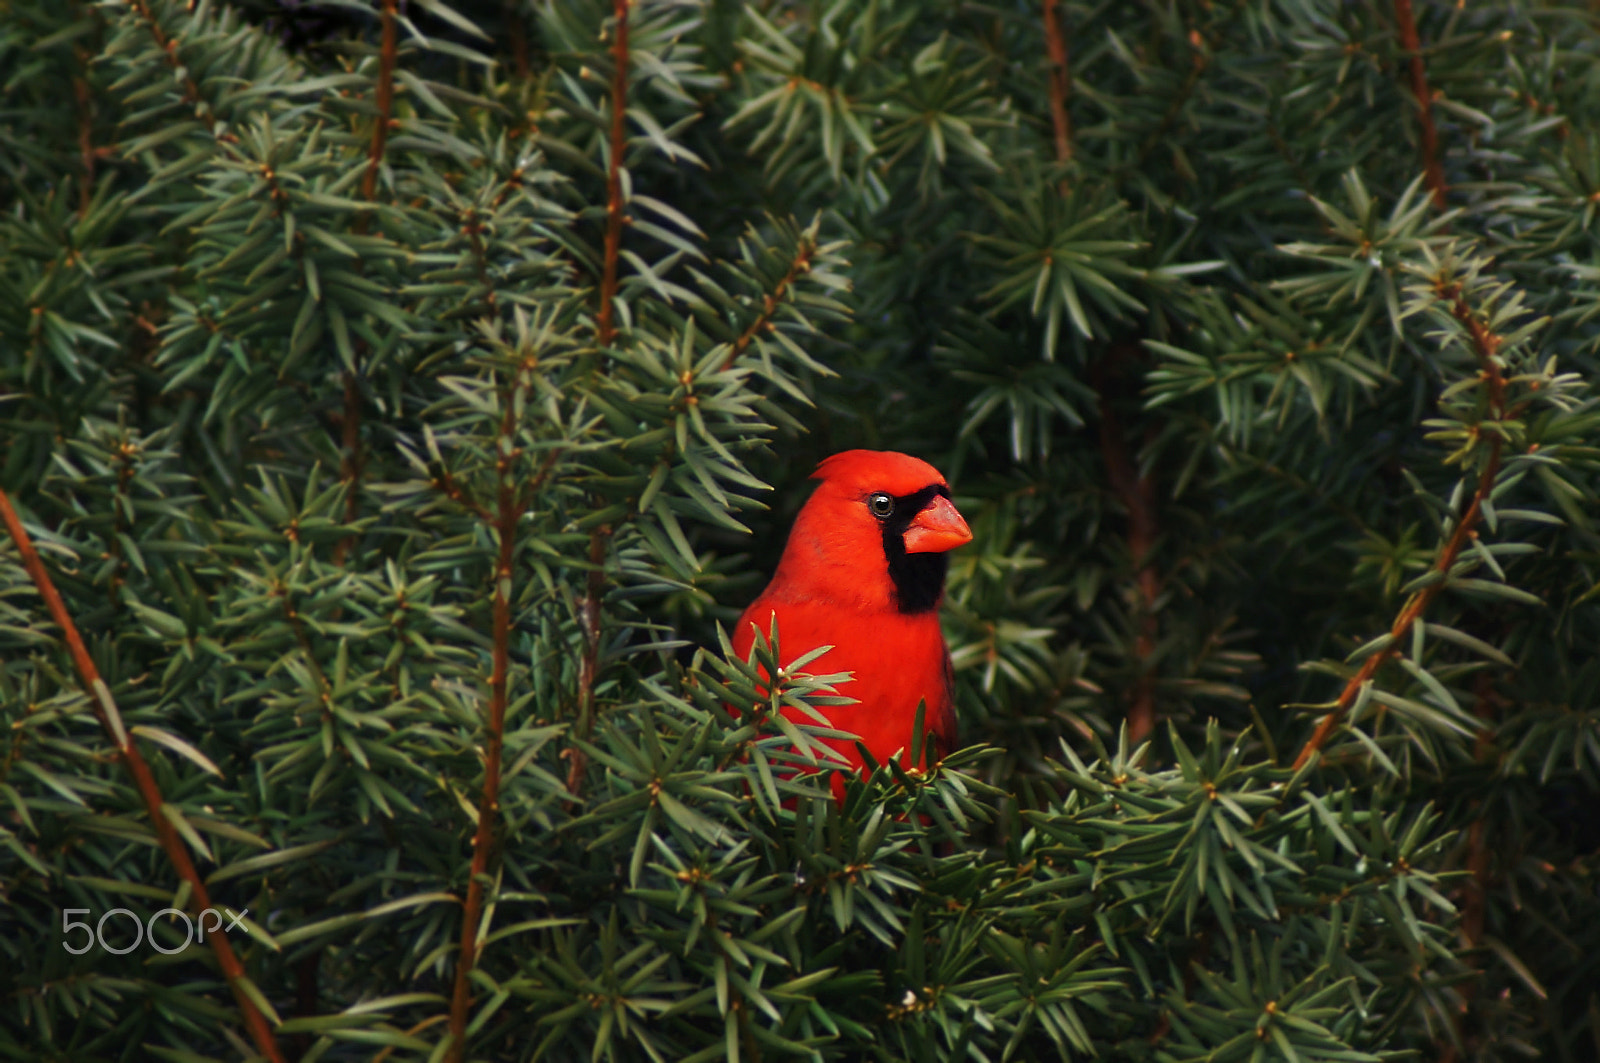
881, 470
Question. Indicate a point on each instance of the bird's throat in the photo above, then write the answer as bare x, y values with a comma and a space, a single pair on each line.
918, 578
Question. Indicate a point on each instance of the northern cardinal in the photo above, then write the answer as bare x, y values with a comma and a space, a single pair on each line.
863, 571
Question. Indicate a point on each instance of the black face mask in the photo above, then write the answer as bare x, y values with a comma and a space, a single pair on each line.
918, 578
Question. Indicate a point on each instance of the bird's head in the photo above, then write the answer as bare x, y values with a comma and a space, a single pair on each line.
875, 533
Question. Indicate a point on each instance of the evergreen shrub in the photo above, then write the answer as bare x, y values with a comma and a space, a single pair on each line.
399, 401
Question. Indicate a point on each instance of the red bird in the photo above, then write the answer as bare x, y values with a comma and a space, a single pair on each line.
863, 572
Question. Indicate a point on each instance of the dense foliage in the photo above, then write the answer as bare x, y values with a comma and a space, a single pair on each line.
403, 398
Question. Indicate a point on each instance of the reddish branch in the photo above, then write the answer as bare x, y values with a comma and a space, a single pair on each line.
1137, 495
105, 710
307, 994
446, 482
509, 506
1406, 22
589, 664
1055, 43
772, 300
85, 108
351, 460
1135, 491
169, 48
605, 335
473, 227
521, 58
203, 110
1197, 67
507, 511
1412, 611
1483, 751
489, 804
605, 328
126, 453
1474, 900
1485, 344
388, 55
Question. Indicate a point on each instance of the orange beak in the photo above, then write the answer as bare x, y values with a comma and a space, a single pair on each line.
937, 528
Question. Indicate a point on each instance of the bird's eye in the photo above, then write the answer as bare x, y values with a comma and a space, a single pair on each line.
881, 505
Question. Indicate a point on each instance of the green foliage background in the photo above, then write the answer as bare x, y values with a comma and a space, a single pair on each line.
397, 492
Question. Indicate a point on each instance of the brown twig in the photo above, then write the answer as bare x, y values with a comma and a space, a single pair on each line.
383, 94
84, 101
1475, 891
589, 663
605, 334
1406, 22
1134, 490
351, 458
126, 452
1137, 494
530, 490
507, 511
1413, 609
446, 483
473, 227
169, 48
1055, 43
1199, 953
308, 651
521, 59
203, 111
1197, 66
771, 301
1483, 752
105, 710
307, 995
510, 504
1485, 344
605, 327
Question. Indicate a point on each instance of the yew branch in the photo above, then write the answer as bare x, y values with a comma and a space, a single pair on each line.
589, 663
605, 334
1055, 43
83, 98
1191, 80
351, 457
507, 511
1485, 344
105, 710
1136, 492
1406, 23
772, 300
383, 98
169, 48
605, 323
